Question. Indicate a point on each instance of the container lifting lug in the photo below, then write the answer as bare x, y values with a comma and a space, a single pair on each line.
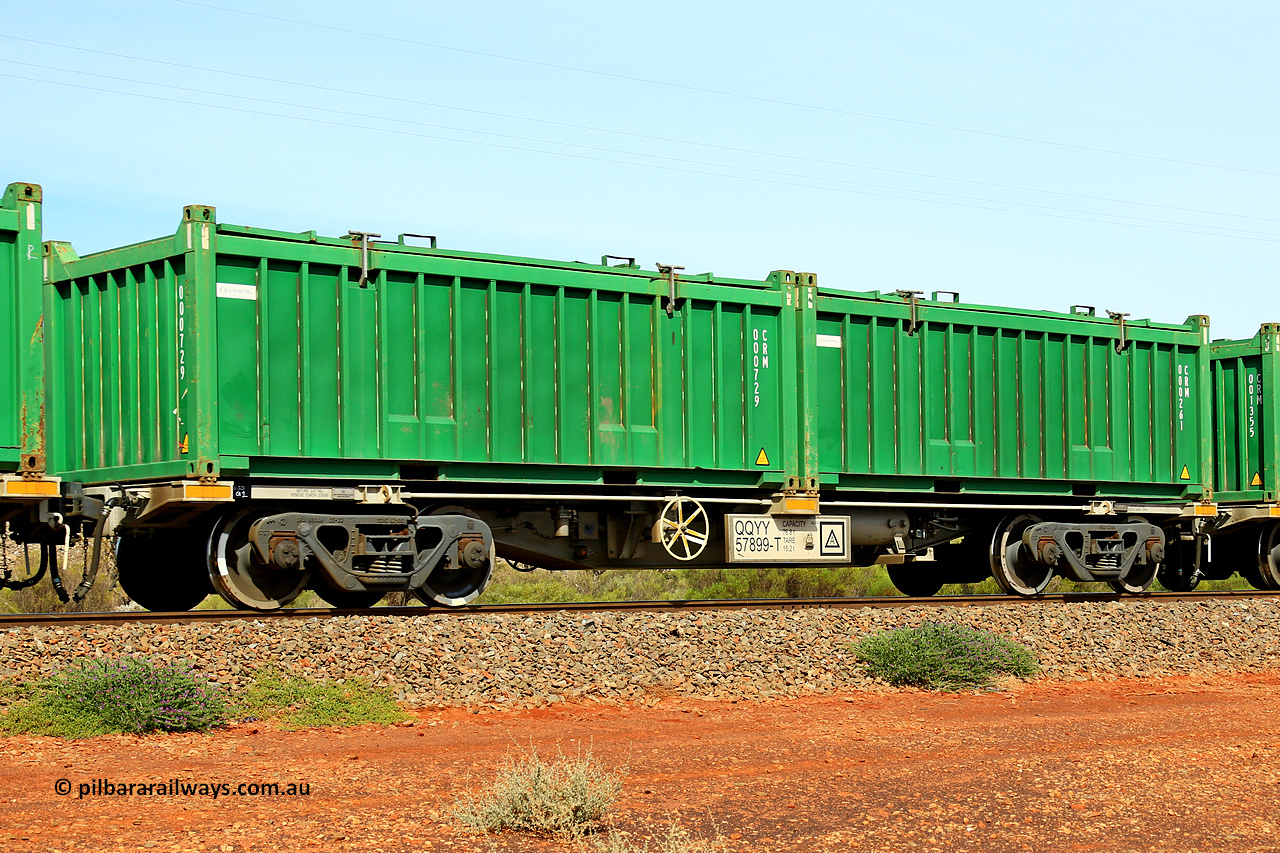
401, 238
670, 272
1124, 334
911, 296
363, 237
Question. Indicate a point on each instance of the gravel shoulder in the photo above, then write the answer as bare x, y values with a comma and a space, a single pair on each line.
510, 661
1150, 730
1172, 764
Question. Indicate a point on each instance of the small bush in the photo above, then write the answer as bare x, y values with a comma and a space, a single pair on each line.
302, 703
803, 582
105, 595
676, 840
13, 692
566, 798
943, 656
130, 696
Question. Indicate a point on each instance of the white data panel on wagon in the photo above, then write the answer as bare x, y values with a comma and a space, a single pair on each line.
786, 539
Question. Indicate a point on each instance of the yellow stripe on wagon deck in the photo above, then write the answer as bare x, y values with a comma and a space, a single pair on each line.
206, 492
31, 487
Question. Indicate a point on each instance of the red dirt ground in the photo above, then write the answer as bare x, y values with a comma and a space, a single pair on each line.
1185, 764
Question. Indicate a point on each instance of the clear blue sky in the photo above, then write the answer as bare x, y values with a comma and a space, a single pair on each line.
1122, 155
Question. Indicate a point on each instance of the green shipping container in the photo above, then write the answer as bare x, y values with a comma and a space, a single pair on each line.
229, 351
1246, 416
951, 397
21, 333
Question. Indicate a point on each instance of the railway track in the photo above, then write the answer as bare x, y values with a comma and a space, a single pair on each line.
21, 620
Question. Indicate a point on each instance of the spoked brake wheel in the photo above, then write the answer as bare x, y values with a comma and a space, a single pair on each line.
683, 528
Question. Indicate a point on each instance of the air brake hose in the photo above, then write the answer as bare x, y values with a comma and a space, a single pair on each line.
49, 552
91, 571
32, 580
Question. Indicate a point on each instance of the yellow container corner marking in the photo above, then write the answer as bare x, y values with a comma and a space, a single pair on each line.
31, 487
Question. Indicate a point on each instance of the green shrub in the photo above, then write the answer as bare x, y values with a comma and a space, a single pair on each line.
13, 692
566, 798
131, 696
676, 840
105, 595
539, 590
803, 582
302, 703
943, 656
510, 586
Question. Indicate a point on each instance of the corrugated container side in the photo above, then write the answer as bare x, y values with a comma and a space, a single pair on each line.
21, 339
474, 361
264, 352
118, 394
1246, 417
989, 400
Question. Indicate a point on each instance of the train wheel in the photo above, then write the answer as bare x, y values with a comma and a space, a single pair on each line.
347, 599
455, 586
1140, 577
1011, 566
1268, 559
237, 573
452, 584
163, 570
1232, 553
1180, 571
965, 563
917, 580
1138, 582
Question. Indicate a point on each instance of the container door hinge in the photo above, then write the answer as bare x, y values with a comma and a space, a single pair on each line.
1123, 341
912, 297
670, 273
363, 237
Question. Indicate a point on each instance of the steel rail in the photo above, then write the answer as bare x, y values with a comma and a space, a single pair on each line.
18, 620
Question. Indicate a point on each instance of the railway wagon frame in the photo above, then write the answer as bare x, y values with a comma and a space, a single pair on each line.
288, 410
1246, 415
22, 407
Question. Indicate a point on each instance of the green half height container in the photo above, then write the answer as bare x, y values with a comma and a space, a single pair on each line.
933, 395
1246, 416
230, 351
22, 433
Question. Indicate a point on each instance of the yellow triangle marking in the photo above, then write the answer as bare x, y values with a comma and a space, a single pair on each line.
1186, 473
1256, 481
763, 458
